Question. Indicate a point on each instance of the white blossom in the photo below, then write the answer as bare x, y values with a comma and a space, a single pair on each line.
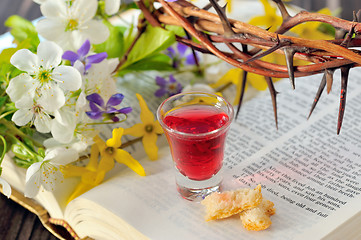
70, 25
44, 78
46, 173
70, 127
30, 111
99, 79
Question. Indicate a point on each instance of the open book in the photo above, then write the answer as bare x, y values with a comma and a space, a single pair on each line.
311, 174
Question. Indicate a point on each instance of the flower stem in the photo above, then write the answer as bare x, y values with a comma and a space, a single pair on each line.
17, 132
102, 123
4, 149
131, 142
7, 113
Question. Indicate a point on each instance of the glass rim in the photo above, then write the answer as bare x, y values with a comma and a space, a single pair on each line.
229, 107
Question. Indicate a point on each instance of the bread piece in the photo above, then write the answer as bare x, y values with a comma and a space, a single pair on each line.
258, 218
228, 203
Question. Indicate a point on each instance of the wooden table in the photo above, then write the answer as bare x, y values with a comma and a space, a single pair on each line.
17, 222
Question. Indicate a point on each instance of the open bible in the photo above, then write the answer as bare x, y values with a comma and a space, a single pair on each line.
312, 175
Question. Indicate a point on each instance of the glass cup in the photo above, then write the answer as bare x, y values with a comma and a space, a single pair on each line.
196, 126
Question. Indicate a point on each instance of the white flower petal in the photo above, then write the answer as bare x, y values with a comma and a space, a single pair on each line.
112, 6
32, 180
6, 187
77, 38
20, 86
32, 170
84, 9
49, 54
52, 98
81, 102
50, 176
51, 29
66, 117
62, 133
80, 146
112, 63
39, 1
25, 60
51, 143
95, 31
68, 77
32, 187
26, 102
78, 65
61, 156
22, 116
42, 123
53, 8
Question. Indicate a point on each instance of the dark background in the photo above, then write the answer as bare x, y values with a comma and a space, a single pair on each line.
18, 223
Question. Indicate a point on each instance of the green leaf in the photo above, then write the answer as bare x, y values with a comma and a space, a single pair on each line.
21, 151
327, 29
114, 45
24, 163
7, 53
2, 101
176, 29
158, 62
152, 41
22, 29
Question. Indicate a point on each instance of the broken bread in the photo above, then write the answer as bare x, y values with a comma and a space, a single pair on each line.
225, 204
258, 218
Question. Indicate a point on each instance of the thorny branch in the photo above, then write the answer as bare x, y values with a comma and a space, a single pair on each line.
323, 56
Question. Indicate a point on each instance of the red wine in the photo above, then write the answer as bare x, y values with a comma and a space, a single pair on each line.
197, 155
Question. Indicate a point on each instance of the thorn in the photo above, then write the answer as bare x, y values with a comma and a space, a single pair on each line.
243, 88
283, 9
358, 15
329, 79
273, 93
318, 94
228, 31
289, 53
341, 111
244, 82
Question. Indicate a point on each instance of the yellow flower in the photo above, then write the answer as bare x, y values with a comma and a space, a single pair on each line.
269, 19
93, 174
148, 130
229, 5
310, 30
110, 151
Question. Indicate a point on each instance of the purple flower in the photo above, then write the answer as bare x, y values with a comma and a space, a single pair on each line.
81, 55
170, 87
108, 111
179, 54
